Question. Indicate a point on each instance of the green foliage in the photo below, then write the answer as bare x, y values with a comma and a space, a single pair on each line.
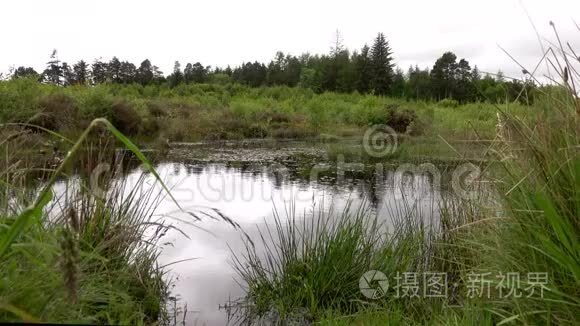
127, 120
448, 103
93, 261
194, 111
18, 99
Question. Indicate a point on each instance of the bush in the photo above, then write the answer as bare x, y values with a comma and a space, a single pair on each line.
18, 99
400, 119
151, 126
255, 131
292, 133
448, 103
44, 120
96, 103
156, 109
57, 111
272, 117
125, 118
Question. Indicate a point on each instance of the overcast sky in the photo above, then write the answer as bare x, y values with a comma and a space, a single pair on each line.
220, 32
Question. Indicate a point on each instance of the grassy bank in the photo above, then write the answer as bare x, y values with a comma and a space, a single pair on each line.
72, 253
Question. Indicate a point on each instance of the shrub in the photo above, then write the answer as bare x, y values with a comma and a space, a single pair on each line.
255, 131
151, 126
272, 117
44, 120
58, 111
448, 103
292, 133
18, 99
125, 118
376, 116
400, 119
156, 109
96, 103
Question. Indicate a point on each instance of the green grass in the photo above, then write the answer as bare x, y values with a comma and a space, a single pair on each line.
312, 266
92, 260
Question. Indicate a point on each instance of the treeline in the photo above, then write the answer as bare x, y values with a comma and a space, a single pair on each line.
370, 70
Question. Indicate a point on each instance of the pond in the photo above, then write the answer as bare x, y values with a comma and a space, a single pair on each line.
248, 195
200, 255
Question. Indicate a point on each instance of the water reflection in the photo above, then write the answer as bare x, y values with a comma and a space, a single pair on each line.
247, 193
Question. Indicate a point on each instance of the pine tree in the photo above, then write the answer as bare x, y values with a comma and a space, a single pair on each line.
336, 67
398, 84
114, 70
177, 76
363, 70
475, 74
382, 67
418, 83
53, 72
99, 72
68, 76
81, 72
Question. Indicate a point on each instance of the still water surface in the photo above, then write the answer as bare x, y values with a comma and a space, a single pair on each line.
248, 194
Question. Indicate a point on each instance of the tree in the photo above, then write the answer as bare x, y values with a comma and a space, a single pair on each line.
188, 73
81, 72
452, 79
252, 74
418, 83
53, 72
24, 72
67, 74
144, 74
114, 70
99, 72
127, 72
363, 70
336, 72
398, 84
195, 73
275, 75
308, 79
176, 77
443, 75
382, 68
464, 88
475, 74
158, 76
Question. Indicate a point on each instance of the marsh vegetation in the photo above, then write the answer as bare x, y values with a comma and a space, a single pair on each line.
472, 183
